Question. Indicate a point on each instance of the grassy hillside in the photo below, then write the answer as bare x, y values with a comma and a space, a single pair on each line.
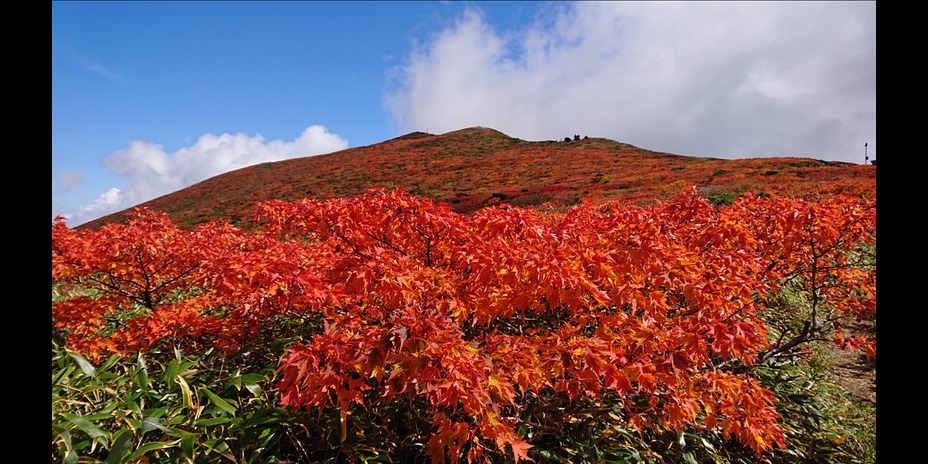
475, 167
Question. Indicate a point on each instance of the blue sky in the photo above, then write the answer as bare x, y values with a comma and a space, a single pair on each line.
150, 97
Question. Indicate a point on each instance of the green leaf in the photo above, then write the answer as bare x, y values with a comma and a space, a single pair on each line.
63, 433
109, 363
134, 423
88, 427
185, 389
218, 446
141, 379
121, 445
219, 402
98, 416
84, 364
177, 420
212, 421
156, 412
170, 372
250, 382
151, 423
254, 389
252, 378
130, 404
187, 444
70, 458
64, 373
177, 433
148, 447
689, 459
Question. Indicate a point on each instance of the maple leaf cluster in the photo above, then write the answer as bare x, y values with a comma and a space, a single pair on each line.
658, 309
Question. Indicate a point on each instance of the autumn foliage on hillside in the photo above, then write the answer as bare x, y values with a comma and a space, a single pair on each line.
477, 167
471, 330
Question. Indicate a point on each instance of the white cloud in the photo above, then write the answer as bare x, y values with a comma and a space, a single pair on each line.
720, 79
94, 66
151, 172
67, 180
103, 205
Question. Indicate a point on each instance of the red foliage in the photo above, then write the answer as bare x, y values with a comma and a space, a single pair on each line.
469, 314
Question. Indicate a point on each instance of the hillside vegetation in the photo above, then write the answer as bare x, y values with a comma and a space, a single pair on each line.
471, 168
471, 297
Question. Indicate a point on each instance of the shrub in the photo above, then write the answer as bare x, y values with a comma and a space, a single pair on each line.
404, 331
176, 410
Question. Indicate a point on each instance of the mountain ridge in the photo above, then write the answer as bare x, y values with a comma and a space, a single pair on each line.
476, 167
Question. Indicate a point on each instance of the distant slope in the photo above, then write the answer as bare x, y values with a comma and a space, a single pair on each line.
472, 168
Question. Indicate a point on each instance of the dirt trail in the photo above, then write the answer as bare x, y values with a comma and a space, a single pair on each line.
853, 370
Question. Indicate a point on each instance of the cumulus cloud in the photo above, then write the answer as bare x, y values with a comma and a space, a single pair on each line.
718, 79
104, 204
151, 172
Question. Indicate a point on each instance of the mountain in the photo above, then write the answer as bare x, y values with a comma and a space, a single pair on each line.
472, 168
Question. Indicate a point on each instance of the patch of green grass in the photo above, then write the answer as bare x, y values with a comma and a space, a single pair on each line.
722, 198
